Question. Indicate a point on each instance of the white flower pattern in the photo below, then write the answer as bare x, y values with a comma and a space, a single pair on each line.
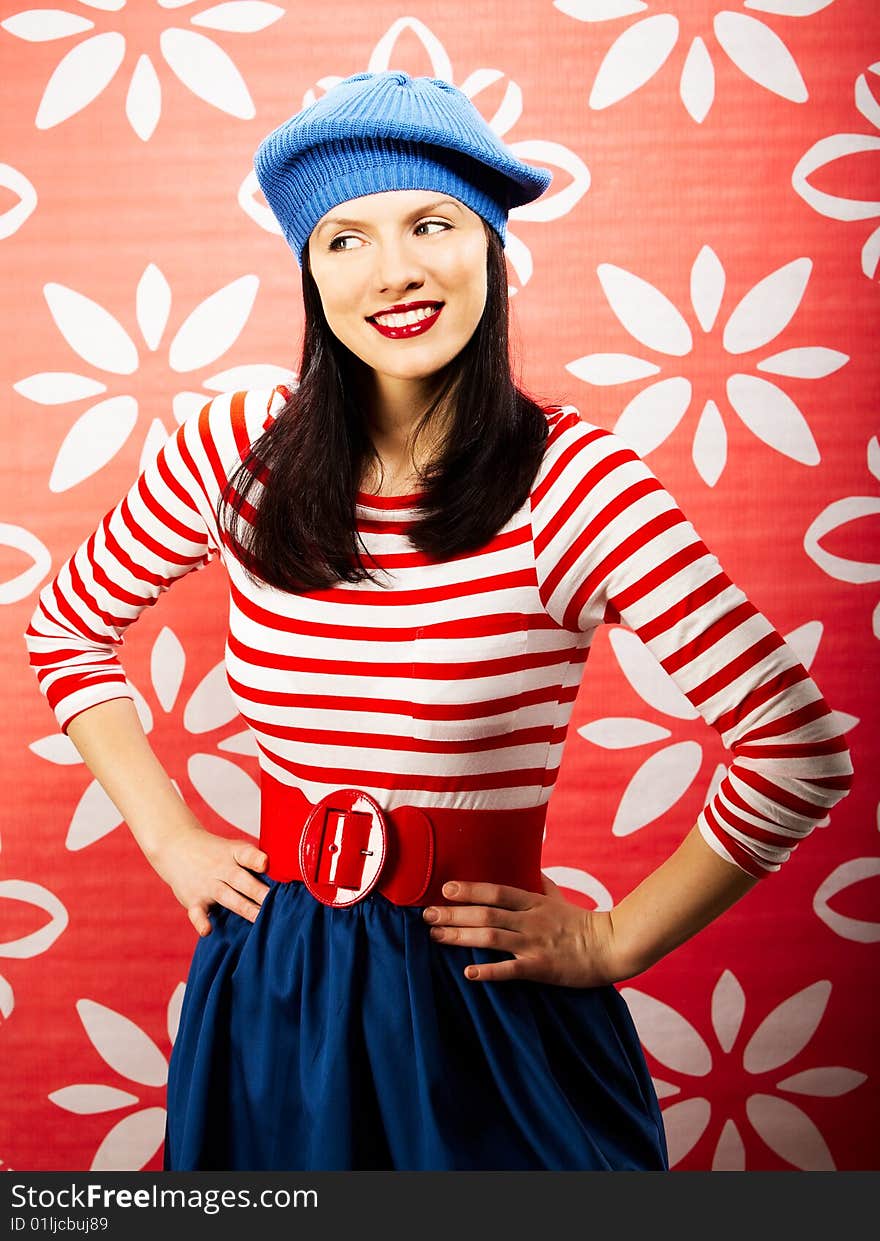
13, 217
826, 151
840, 513
126, 1049
104, 344
641, 50
196, 60
783, 1034
761, 315
36, 942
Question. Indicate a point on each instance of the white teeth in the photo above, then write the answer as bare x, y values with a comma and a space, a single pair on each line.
412, 316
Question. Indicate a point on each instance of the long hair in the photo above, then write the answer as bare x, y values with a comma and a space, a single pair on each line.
292, 498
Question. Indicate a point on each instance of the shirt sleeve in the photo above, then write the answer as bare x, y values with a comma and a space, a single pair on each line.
612, 545
162, 529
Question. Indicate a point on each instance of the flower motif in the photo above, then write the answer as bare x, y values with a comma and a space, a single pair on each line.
541, 151
130, 1052
38, 941
666, 775
16, 588
847, 875
761, 315
102, 342
641, 50
780, 1037
17, 183
838, 514
224, 786
199, 63
669, 771
843, 146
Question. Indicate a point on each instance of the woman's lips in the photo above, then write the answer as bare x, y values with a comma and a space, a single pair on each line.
407, 329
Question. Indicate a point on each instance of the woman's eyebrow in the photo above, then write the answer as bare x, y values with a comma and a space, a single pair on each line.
347, 223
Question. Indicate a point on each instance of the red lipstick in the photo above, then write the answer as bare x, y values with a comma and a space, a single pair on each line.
407, 329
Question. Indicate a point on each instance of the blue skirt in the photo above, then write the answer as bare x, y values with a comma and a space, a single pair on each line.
329, 1039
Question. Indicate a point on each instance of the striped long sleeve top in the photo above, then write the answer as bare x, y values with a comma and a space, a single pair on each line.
453, 683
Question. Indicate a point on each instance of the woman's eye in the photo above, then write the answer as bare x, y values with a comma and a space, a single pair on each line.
335, 243
442, 223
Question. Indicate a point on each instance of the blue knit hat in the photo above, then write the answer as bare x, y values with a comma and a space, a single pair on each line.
389, 131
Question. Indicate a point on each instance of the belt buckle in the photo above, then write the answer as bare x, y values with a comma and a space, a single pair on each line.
343, 847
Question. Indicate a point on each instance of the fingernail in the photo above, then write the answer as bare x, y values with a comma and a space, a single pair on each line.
430, 915
450, 888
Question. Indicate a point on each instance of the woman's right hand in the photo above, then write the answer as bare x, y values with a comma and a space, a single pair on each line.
203, 869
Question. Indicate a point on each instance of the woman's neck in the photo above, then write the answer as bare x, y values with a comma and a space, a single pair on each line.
401, 456
390, 478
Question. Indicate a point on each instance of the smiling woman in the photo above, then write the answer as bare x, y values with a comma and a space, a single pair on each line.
390, 981
429, 263
441, 265
429, 408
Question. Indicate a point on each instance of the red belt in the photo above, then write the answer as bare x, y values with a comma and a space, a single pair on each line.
346, 845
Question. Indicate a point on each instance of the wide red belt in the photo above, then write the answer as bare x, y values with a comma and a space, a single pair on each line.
346, 845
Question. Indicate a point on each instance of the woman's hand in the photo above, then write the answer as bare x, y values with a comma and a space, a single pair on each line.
203, 869
552, 940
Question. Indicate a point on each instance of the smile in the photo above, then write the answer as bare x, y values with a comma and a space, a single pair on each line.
404, 330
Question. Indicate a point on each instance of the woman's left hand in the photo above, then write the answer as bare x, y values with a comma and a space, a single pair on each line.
551, 939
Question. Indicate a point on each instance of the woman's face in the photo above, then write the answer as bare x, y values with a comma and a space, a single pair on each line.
393, 248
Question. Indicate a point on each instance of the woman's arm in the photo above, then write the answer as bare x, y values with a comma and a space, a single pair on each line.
611, 545
156, 534
200, 868
161, 530
684, 894
117, 752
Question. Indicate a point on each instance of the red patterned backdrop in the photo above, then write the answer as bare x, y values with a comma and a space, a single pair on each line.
701, 277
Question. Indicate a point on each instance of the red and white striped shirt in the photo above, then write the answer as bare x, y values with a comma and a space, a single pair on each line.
452, 683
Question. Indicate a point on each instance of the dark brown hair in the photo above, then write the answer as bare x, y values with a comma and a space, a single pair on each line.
292, 498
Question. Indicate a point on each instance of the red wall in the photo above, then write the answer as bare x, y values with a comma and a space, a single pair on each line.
701, 277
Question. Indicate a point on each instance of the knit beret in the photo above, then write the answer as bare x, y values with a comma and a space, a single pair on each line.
389, 131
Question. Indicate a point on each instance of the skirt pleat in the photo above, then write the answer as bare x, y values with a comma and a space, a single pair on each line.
329, 1039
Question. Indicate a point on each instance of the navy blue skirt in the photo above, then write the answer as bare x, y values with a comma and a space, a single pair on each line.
332, 1039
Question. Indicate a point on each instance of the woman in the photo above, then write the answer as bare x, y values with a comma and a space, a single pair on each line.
418, 556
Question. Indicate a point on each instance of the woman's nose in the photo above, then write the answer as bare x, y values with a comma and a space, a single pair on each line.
397, 269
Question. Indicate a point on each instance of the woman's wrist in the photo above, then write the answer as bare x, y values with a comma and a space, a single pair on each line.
628, 955
601, 949
157, 837
691, 888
